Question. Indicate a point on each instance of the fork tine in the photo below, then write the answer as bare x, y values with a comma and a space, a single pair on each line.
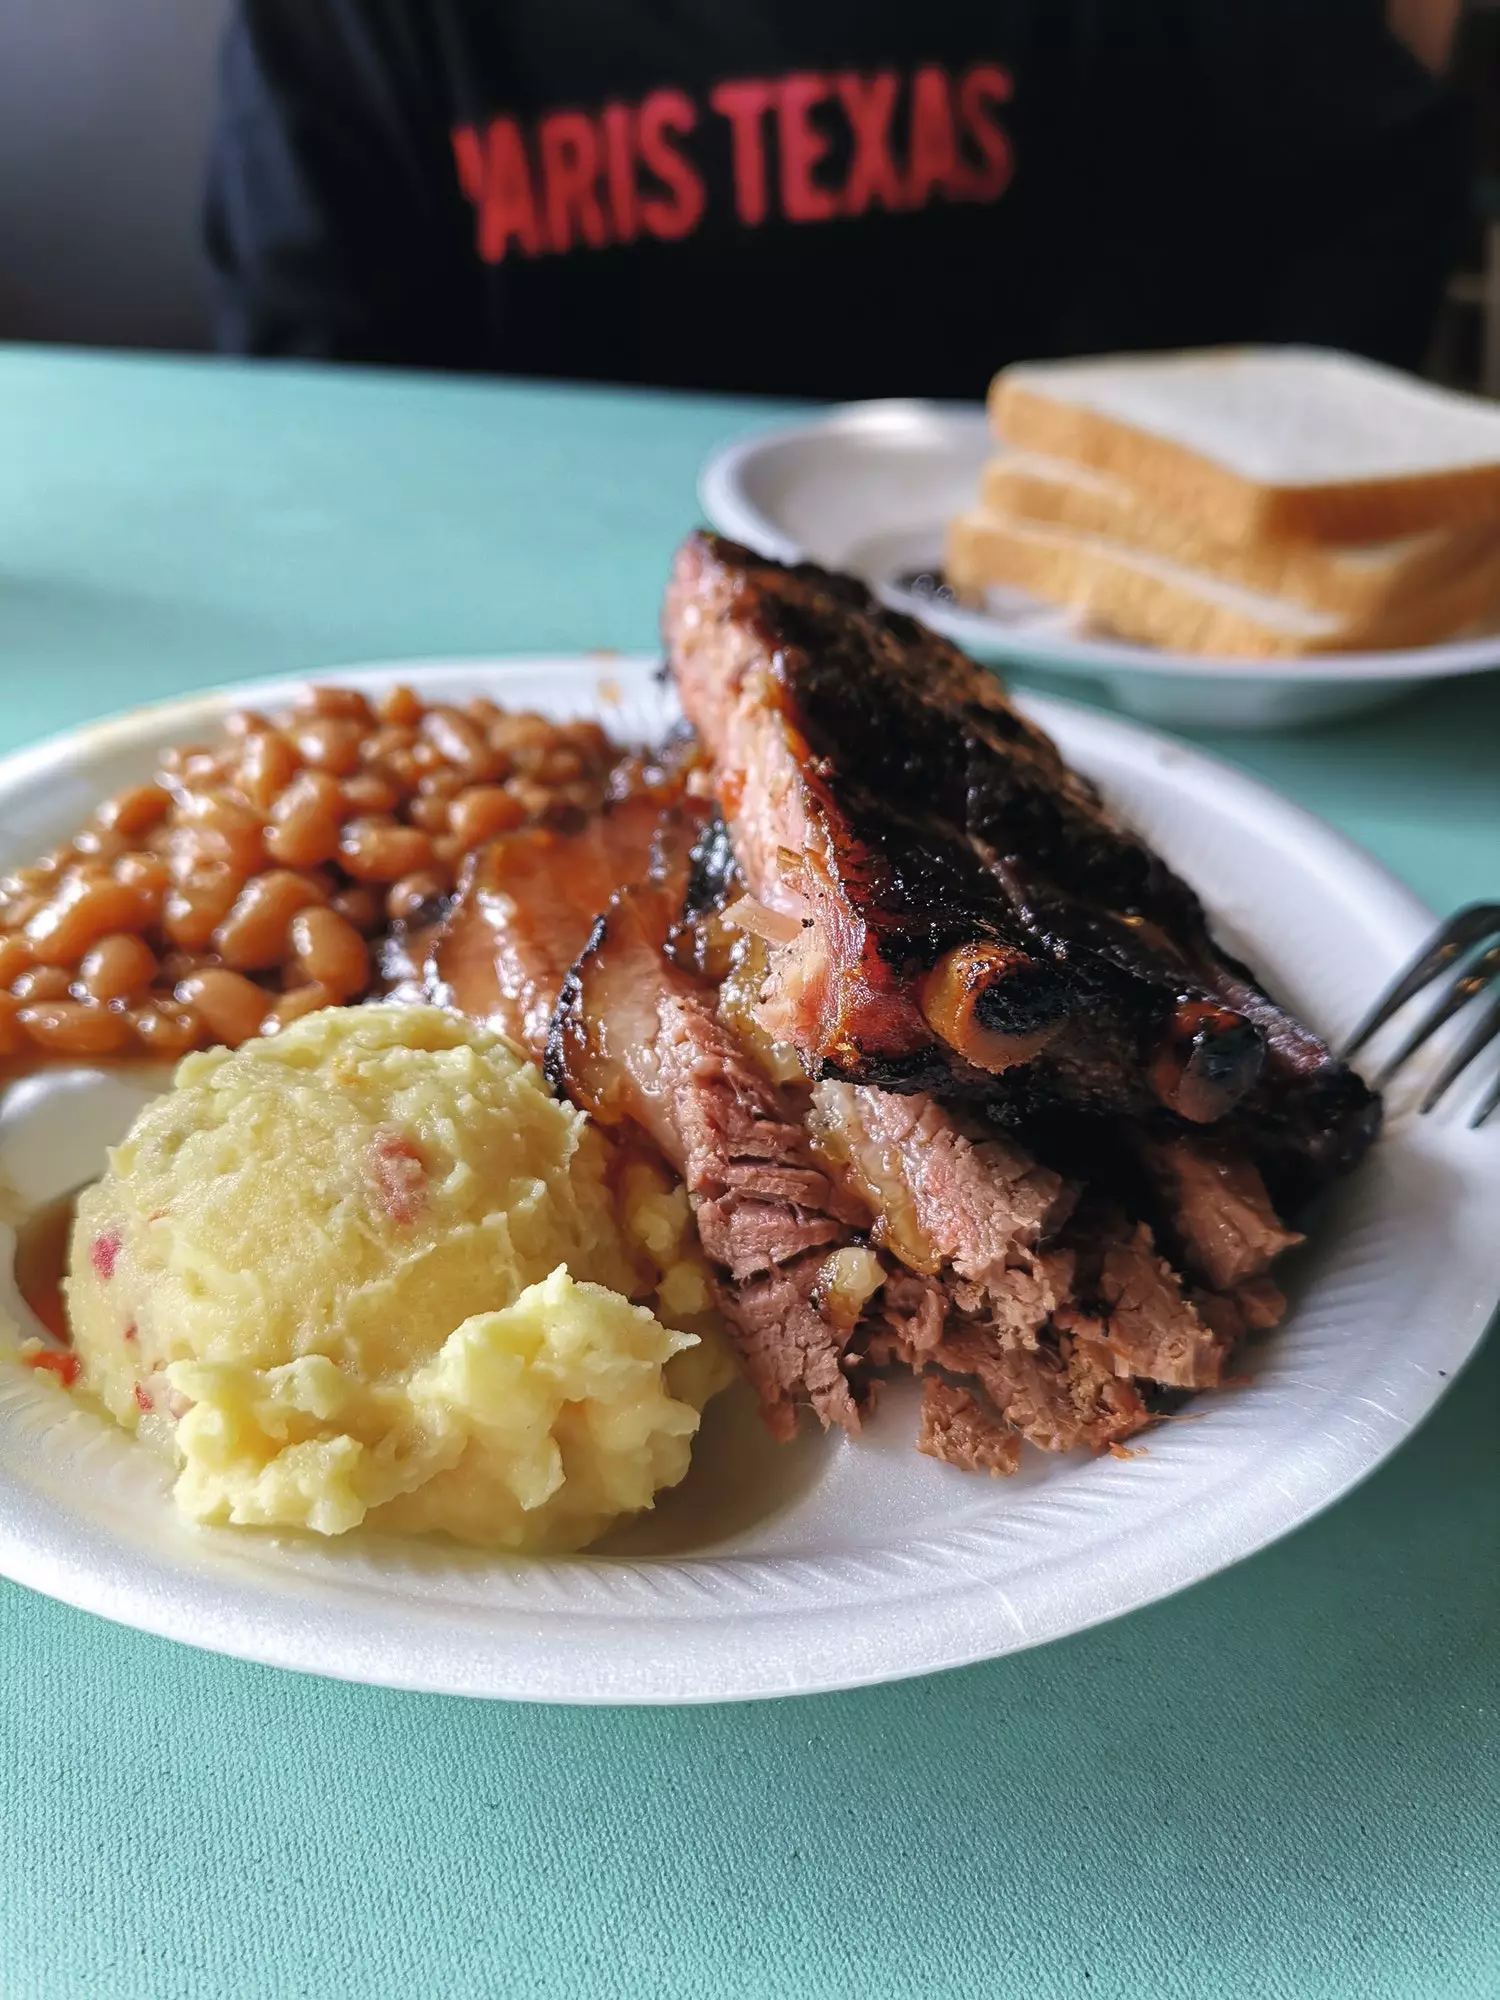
1479, 1037
1474, 978
1461, 933
1485, 1105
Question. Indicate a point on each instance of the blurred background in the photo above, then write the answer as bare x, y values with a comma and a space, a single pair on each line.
105, 109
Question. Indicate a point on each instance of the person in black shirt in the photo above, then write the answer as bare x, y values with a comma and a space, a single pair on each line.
833, 197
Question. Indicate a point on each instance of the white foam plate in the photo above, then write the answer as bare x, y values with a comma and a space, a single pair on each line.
870, 488
824, 1564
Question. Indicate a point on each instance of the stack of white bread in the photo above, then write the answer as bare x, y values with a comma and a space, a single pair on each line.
1243, 501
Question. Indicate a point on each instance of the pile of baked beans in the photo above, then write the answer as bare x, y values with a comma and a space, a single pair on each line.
251, 880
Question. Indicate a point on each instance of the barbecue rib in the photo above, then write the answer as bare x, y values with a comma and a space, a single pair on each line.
947, 906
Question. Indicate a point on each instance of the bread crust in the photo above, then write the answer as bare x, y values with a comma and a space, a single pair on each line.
1323, 577
1159, 603
1231, 507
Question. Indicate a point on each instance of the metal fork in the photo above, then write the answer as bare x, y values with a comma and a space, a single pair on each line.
1469, 941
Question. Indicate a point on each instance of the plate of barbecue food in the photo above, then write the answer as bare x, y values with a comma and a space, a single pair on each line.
764, 1172
1237, 538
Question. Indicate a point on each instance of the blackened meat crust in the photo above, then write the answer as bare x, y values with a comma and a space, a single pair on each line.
972, 919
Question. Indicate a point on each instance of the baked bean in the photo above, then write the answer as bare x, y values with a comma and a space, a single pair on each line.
137, 810
414, 892
328, 743
459, 740
589, 739
429, 814
402, 766
361, 906
215, 830
32, 881
481, 812
229, 1005
204, 769
426, 757
522, 732
305, 821
559, 767
198, 905
84, 910
176, 965
381, 742
532, 798
346, 703
15, 957
101, 843
484, 711
246, 722
89, 868
330, 952
382, 850
292, 1005
368, 793
253, 936
68, 1028
448, 850
144, 871
19, 910
43, 982
165, 1027
118, 966
267, 767
149, 876
12, 1034
399, 705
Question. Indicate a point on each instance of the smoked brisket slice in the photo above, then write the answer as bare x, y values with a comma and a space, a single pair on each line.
501, 949
943, 1197
1220, 1212
636, 1039
1130, 1308
1058, 1394
961, 1429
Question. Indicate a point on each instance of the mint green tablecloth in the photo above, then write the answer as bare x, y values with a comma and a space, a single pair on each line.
1283, 1783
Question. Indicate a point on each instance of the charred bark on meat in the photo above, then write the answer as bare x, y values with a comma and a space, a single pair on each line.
972, 920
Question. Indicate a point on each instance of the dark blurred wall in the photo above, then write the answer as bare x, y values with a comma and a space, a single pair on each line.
104, 113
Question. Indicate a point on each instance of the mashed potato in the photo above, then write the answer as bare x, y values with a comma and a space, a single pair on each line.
372, 1270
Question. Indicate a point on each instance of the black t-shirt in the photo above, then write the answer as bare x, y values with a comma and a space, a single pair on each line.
826, 197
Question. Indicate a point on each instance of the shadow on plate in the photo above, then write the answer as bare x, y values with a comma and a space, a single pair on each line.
740, 1476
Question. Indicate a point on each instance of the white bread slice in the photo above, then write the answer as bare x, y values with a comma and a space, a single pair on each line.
1159, 602
1363, 579
1269, 443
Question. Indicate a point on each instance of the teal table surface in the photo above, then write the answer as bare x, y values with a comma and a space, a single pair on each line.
1284, 1782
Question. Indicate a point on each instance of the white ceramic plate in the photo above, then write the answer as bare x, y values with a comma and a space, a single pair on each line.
870, 488
824, 1564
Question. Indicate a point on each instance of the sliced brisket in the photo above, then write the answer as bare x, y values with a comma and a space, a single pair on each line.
961, 1430
500, 950
944, 1198
1219, 1210
635, 1038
